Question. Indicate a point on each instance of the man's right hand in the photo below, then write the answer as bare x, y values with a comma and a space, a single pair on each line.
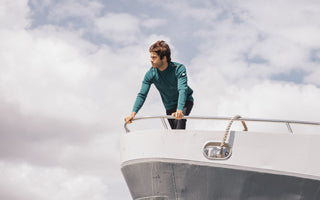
129, 119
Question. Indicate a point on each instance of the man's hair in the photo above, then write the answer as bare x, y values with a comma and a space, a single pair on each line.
162, 49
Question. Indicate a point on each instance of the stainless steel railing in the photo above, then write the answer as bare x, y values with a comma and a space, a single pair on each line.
243, 120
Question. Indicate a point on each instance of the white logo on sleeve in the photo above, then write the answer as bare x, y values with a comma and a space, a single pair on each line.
183, 74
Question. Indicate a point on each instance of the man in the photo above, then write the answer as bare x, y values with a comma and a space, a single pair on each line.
170, 79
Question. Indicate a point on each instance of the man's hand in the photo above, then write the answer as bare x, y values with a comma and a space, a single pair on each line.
178, 115
129, 119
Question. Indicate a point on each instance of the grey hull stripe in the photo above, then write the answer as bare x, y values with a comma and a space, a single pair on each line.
156, 180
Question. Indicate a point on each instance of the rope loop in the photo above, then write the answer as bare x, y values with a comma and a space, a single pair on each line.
227, 132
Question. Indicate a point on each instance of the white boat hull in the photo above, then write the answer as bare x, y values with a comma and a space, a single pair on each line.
170, 164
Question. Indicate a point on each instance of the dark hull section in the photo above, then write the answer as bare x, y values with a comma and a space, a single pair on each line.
154, 180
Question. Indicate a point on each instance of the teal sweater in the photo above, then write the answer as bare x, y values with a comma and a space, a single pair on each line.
171, 83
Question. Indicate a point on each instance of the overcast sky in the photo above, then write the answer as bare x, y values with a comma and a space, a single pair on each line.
71, 70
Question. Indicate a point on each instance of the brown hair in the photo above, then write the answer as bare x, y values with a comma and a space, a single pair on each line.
162, 49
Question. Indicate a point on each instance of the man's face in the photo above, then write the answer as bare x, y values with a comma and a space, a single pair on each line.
155, 60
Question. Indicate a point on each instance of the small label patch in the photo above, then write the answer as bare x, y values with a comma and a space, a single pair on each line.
183, 74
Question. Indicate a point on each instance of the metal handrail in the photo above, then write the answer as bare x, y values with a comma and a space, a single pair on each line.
242, 119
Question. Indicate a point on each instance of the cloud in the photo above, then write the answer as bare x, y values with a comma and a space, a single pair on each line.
251, 42
56, 111
85, 10
153, 22
287, 19
81, 157
118, 27
268, 99
47, 78
195, 10
48, 183
14, 15
313, 77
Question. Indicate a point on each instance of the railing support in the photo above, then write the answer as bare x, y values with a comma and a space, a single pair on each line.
289, 127
164, 123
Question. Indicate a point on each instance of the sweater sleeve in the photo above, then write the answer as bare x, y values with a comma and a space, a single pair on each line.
182, 86
142, 95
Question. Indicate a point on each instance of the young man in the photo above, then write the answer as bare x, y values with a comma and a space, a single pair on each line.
170, 79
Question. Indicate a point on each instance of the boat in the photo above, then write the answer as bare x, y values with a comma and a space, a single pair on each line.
225, 164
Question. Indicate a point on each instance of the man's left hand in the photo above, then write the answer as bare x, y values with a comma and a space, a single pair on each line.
178, 115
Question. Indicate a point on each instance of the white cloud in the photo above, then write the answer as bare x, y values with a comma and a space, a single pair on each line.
86, 10
48, 183
14, 14
283, 56
277, 100
119, 27
265, 100
56, 97
203, 11
293, 20
47, 72
254, 40
153, 22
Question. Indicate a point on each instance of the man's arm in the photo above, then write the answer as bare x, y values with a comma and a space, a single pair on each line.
182, 88
141, 97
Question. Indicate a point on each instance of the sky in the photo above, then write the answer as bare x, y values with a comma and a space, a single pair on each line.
71, 70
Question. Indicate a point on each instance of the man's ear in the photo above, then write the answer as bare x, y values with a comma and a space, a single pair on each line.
164, 59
